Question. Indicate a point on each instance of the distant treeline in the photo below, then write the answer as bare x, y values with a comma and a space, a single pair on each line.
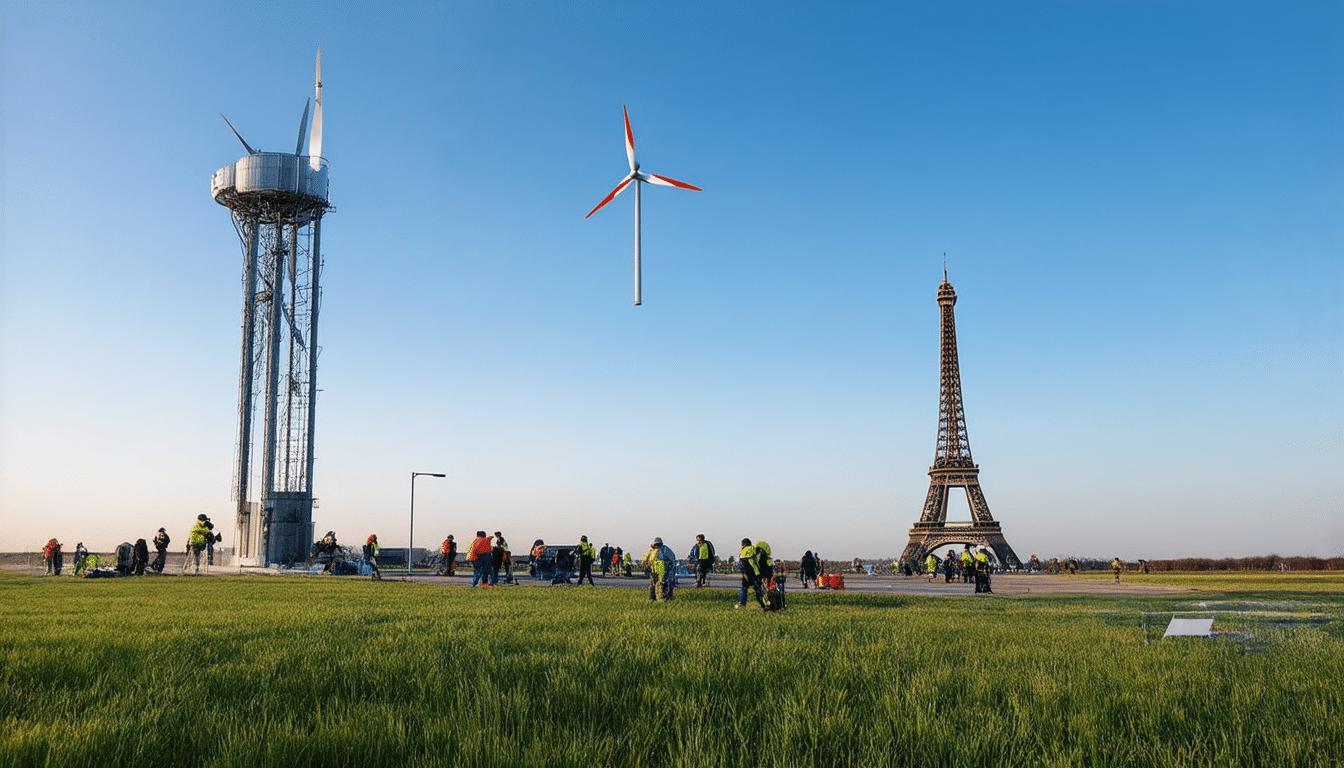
1261, 563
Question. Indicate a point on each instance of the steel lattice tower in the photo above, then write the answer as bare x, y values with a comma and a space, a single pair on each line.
953, 466
277, 201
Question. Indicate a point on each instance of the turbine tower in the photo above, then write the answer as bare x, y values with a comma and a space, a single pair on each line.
277, 201
639, 177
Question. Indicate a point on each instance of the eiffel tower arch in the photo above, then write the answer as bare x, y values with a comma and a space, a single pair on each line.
953, 466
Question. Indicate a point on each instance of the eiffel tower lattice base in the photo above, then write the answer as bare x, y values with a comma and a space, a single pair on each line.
933, 531
931, 537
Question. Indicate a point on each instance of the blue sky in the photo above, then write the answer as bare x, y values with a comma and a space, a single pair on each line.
1141, 205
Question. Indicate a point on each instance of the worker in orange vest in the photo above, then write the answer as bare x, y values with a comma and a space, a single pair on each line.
481, 556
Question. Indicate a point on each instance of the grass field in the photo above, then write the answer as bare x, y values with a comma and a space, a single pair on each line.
267, 671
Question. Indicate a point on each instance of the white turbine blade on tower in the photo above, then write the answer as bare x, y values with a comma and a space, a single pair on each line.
629, 141
654, 178
249, 149
315, 138
612, 194
303, 128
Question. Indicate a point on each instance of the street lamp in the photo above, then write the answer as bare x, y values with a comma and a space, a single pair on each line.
410, 540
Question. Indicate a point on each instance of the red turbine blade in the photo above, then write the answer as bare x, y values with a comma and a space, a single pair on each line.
665, 181
629, 140
611, 195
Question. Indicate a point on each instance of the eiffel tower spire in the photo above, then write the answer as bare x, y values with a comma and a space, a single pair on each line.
953, 466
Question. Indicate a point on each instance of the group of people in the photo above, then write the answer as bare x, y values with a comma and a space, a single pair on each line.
328, 551
488, 555
972, 566
130, 559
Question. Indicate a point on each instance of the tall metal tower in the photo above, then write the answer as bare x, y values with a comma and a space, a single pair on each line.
277, 201
953, 466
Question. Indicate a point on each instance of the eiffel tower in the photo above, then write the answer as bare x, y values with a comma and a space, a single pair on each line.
952, 463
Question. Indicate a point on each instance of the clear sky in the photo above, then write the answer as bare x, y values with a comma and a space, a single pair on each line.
1142, 206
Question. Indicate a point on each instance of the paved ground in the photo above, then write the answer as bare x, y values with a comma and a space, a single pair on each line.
891, 585
1003, 584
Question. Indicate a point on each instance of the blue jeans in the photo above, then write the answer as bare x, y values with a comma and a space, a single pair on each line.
753, 582
480, 572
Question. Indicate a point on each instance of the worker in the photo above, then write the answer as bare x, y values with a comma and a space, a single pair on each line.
967, 565
326, 551
448, 557
196, 544
702, 551
481, 557
661, 565
501, 558
371, 555
982, 571
586, 557
161, 541
749, 561
51, 554
931, 565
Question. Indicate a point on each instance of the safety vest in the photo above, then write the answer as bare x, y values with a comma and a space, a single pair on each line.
479, 548
705, 551
198, 533
748, 559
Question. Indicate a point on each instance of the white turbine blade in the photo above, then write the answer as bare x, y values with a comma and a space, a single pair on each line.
629, 141
303, 128
315, 138
612, 194
249, 149
654, 178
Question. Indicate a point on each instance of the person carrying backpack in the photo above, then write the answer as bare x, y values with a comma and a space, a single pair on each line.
661, 565
161, 542
196, 544
749, 561
586, 557
371, 555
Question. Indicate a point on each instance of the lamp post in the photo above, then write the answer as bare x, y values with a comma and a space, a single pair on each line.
410, 539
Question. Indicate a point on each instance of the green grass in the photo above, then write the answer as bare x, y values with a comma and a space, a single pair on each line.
262, 671
1247, 581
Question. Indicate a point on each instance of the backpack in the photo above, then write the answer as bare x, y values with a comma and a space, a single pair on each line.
124, 555
774, 597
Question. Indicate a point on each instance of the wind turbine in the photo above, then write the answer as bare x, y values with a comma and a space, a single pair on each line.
638, 177
314, 138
